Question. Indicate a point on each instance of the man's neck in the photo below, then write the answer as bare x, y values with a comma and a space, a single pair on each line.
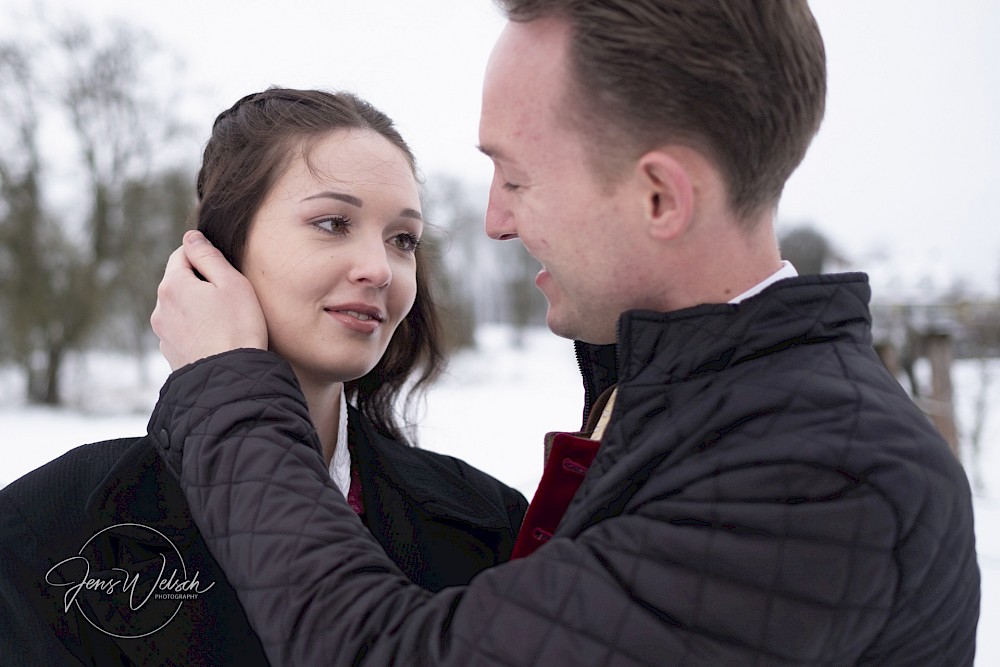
727, 267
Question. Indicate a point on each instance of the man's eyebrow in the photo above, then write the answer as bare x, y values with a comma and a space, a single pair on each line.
356, 201
490, 151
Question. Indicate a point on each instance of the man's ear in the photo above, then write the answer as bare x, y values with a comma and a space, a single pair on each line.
668, 194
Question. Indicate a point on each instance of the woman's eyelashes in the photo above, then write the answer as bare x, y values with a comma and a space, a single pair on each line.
339, 225
334, 224
406, 242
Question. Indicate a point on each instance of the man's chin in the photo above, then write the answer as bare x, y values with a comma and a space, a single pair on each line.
557, 325
562, 333
566, 327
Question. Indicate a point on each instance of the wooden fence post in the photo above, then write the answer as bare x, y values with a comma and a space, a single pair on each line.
941, 406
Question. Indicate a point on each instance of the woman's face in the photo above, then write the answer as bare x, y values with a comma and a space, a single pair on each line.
330, 254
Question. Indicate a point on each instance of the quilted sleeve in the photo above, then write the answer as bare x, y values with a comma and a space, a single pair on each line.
658, 585
254, 478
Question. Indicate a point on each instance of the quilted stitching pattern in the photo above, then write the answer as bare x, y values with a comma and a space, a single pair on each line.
765, 494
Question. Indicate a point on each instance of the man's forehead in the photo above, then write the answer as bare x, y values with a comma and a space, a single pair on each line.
529, 52
526, 69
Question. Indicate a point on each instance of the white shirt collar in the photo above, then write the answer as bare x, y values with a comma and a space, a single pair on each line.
786, 271
340, 465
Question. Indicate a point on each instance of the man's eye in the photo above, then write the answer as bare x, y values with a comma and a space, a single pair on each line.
406, 242
335, 224
510, 187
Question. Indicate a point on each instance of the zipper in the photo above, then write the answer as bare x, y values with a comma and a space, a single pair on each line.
590, 358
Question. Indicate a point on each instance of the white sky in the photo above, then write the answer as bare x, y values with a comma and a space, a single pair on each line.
905, 165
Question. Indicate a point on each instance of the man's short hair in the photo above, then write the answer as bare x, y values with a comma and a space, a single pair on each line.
742, 81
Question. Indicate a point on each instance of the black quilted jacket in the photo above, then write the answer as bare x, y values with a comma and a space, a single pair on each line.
765, 493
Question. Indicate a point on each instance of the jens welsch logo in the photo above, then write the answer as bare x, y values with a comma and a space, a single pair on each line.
128, 581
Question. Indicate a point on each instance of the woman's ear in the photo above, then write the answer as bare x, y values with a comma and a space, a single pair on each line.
668, 194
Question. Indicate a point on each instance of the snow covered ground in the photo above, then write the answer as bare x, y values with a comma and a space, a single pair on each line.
491, 410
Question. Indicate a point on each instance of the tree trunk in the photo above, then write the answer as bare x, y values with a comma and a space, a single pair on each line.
43, 383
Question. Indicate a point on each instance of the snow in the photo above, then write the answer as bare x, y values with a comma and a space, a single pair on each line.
491, 409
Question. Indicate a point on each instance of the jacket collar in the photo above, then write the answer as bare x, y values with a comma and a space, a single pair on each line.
139, 489
673, 346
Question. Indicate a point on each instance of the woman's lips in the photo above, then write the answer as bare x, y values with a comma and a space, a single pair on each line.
359, 318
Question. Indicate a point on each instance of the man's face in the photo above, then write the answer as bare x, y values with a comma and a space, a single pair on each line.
546, 193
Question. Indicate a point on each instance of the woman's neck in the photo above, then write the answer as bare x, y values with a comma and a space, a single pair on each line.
324, 410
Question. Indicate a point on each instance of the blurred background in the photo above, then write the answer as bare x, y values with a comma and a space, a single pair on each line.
106, 106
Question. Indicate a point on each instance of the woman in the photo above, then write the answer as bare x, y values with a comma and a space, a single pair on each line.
314, 197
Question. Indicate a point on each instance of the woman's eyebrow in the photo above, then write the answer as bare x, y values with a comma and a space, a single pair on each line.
329, 194
355, 201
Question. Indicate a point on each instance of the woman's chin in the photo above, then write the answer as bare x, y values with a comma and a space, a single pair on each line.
330, 374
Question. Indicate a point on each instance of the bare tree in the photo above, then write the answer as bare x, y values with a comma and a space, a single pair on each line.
155, 213
526, 306
25, 231
60, 267
482, 280
454, 221
806, 248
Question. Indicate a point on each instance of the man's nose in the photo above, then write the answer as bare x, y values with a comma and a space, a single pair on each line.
499, 221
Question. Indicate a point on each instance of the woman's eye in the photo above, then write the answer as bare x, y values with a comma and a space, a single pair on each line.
335, 224
406, 242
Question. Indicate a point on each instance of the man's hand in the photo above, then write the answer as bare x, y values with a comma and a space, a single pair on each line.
197, 318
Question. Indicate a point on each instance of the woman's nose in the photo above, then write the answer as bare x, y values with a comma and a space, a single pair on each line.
371, 265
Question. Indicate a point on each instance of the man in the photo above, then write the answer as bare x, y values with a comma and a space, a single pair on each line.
753, 487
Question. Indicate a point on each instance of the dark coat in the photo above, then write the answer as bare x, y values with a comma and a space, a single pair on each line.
765, 493
439, 519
